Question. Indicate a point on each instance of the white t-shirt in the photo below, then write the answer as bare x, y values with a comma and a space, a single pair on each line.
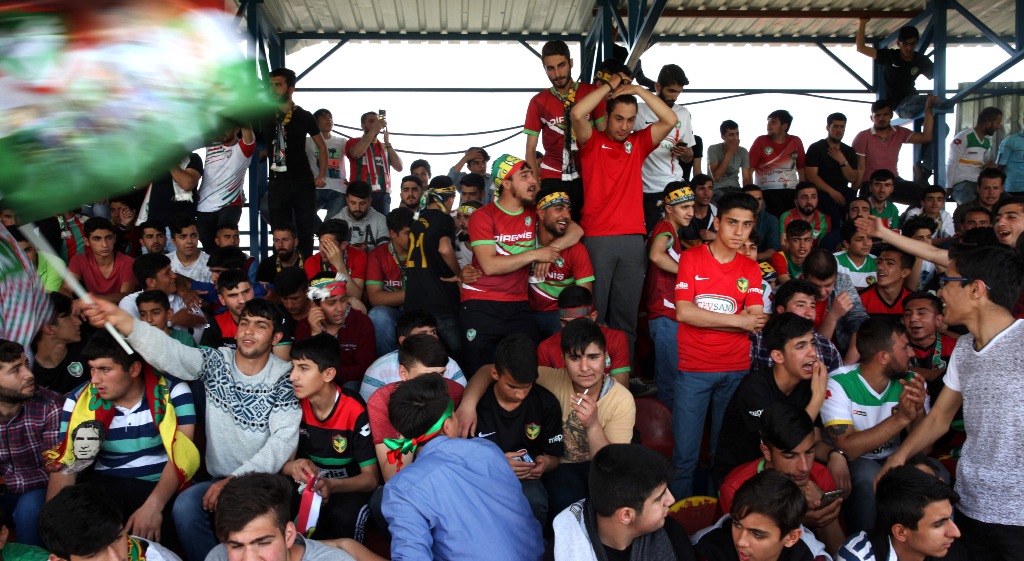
851, 401
384, 371
223, 174
197, 271
863, 276
661, 167
335, 161
990, 475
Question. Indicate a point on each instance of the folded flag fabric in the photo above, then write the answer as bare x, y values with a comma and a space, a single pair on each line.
24, 305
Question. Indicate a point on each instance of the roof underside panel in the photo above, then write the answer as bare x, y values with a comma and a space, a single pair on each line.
369, 19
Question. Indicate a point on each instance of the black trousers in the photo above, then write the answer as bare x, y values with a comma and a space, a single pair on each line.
298, 196
987, 541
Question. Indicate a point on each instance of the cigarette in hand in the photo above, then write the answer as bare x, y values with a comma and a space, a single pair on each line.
584, 393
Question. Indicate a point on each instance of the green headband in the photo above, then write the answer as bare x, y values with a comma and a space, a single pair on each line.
401, 446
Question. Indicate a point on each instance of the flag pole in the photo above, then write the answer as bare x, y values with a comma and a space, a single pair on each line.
42, 245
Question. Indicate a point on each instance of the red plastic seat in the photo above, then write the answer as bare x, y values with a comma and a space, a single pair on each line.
696, 513
654, 422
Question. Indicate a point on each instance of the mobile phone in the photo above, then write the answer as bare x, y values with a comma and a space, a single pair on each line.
681, 143
523, 456
382, 114
830, 497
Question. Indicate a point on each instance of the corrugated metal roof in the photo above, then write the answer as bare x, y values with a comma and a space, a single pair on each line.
369, 18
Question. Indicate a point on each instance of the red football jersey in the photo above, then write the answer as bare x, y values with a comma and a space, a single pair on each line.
723, 288
661, 284
354, 258
510, 234
614, 204
383, 270
545, 116
573, 267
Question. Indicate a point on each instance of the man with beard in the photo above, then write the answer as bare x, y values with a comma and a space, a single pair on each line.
831, 166
778, 161
549, 114
31, 425
879, 147
285, 253
614, 217
463, 252
252, 425
368, 228
571, 268
503, 236
412, 189
867, 407
806, 209
371, 160
663, 165
291, 194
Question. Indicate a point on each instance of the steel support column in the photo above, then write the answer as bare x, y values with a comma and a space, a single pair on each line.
328, 54
844, 66
938, 145
645, 30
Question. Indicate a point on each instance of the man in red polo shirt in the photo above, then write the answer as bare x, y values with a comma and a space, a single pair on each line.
336, 254
613, 214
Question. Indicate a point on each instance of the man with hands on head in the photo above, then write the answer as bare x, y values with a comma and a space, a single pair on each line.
252, 416
613, 209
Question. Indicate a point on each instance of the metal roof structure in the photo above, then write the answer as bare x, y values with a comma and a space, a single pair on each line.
278, 27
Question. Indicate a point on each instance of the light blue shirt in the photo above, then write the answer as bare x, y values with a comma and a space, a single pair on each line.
1011, 155
460, 501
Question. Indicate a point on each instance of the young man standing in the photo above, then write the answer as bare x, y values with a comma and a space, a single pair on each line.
549, 115
806, 209
252, 416
970, 152
614, 215
777, 159
867, 408
664, 165
663, 251
979, 289
626, 516
487, 511
411, 190
475, 160
385, 279
432, 271
331, 195
727, 160
832, 167
29, 426
220, 191
878, 148
371, 160
718, 302
105, 273
291, 194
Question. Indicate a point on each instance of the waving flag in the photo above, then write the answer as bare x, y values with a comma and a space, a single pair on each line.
94, 105
24, 305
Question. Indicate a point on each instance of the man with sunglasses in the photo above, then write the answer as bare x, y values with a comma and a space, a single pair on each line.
983, 375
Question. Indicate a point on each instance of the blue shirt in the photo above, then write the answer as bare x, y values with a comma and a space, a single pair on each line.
460, 500
1011, 155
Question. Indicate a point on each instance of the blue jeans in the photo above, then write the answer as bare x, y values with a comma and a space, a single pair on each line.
964, 192
696, 390
380, 201
194, 525
859, 508
333, 201
385, 321
537, 496
547, 323
22, 512
666, 357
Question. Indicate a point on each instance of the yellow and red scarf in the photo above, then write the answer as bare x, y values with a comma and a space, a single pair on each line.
181, 451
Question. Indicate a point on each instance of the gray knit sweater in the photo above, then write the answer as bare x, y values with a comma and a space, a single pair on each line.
252, 422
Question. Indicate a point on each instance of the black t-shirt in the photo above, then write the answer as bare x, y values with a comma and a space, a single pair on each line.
900, 74
536, 425
302, 124
698, 152
828, 168
692, 230
676, 534
162, 205
739, 439
424, 289
268, 269
72, 372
